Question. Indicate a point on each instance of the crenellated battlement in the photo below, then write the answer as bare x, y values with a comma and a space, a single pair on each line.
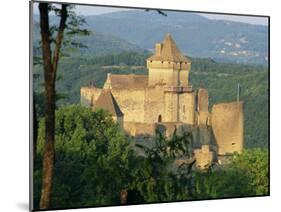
168, 65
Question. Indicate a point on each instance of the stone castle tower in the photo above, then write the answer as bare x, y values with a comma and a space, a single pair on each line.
169, 69
140, 103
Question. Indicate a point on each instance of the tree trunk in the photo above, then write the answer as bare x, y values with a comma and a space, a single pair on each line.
35, 132
50, 69
49, 149
124, 196
49, 152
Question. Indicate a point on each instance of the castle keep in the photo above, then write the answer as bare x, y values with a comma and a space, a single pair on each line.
165, 97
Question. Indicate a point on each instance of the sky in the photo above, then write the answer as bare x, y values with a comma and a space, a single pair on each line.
89, 10
94, 10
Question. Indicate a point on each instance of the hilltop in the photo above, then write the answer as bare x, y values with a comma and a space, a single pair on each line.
195, 35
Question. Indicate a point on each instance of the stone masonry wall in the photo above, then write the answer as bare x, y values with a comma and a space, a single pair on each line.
131, 103
138, 129
227, 125
154, 105
171, 107
88, 95
203, 107
187, 108
167, 72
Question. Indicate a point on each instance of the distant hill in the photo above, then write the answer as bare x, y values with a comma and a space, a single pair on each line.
195, 35
97, 43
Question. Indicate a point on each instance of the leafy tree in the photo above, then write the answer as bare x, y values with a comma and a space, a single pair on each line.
51, 55
95, 162
161, 179
254, 163
92, 158
246, 175
221, 183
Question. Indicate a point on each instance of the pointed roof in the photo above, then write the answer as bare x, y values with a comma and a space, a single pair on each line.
169, 52
107, 101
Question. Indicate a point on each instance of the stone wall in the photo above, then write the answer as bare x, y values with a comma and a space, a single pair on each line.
171, 107
131, 103
203, 135
88, 95
168, 128
171, 73
154, 105
204, 157
186, 108
161, 76
203, 107
184, 77
139, 129
227, 124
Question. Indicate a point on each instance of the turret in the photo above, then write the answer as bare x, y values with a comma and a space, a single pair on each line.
168, 66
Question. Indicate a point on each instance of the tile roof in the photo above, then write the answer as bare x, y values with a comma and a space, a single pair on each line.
169, 52
127, 81
107, 101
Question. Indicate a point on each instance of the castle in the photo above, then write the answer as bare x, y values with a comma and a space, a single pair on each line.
165, 97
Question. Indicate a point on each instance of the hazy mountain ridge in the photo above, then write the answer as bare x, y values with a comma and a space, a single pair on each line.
97, 43
195, 35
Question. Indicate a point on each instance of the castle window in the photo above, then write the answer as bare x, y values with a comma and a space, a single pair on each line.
159, 118
183, 108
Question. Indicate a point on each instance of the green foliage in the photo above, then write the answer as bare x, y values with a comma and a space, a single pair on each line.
163, 181
91, 160
72, 32
123, 58
221, 183
221, 81
247, 175
254, 163
95, 161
